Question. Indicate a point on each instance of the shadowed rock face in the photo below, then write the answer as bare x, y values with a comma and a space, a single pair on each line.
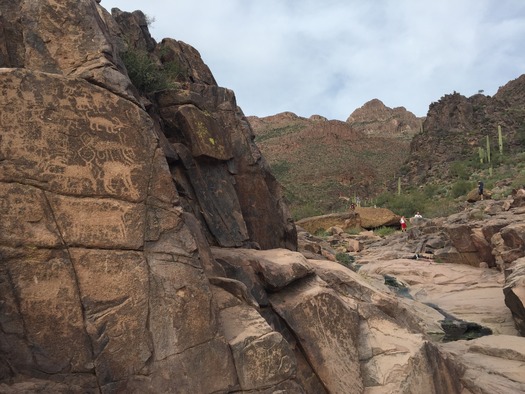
109, 203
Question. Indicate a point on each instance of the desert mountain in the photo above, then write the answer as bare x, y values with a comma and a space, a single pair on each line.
145, 246
460, 141
318, 161
456, 127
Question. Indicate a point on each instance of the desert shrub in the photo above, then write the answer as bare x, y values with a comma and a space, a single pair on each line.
519, 180
460, 170
301, 210
461, 188
353, 231
404, 204
384, 231
321, 233
280, 168
441, 208
345, 259
145, 74
430, 190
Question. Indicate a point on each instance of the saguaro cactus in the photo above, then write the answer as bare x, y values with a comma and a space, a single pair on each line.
481, 154
488, 149
500, 140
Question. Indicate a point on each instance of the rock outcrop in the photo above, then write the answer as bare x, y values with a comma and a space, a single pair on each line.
456, 127
514, 291
146, 248
104, 263
374, 117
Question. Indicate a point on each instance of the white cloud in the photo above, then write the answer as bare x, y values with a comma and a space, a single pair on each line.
329, 57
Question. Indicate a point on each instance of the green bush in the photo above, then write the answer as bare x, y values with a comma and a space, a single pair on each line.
403, 204
321, 233
461, 188
146, 75
460, 170
345, 259
384, 231
280, 168
442, 208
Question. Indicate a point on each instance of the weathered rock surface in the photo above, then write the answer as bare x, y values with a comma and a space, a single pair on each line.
116, 209
360, 218
354, 337
492, 364
514, 291
315, 224
102, 273
467, 293
88, 266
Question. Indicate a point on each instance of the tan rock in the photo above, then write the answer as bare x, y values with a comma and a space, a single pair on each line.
322, 223
376, 217
468, 293
330, 344
491, 364
514, 291
273, 269
261, 355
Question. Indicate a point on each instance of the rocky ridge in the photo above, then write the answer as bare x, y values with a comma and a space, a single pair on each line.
456, 127
322, 163
145, 247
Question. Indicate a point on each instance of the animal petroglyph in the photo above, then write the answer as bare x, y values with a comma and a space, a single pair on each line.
99, 222
79, 178
111, 126
117, 178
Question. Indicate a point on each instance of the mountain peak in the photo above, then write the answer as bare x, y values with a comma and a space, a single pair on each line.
374, 117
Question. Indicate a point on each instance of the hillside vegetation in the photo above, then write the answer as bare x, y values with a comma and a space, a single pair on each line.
324, 165
388, 157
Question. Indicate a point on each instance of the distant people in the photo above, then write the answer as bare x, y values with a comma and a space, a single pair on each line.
352, 207
403, 223
418, 215
480, 190
358, 201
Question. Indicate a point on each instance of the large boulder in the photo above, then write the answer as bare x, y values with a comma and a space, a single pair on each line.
222, 176
514, 291
377, 217
491, 364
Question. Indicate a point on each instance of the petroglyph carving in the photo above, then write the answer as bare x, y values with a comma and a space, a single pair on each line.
99, 151
117, 178
111, 126
107, 223
78, 178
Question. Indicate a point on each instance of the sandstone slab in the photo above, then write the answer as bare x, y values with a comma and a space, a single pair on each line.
469, 293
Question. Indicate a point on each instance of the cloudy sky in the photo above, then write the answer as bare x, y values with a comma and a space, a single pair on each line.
329, 57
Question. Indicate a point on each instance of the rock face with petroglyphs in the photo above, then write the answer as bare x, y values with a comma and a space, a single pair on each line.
104, 276
145, 247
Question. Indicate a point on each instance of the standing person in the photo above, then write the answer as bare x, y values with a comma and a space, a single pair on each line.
480, 189
403, 224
